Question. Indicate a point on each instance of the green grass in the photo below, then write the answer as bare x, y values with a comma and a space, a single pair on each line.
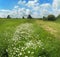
29, 38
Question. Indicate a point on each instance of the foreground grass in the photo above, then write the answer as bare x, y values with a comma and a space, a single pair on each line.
29, 38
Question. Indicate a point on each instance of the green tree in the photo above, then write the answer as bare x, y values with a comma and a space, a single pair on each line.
51, 17
23, 17
29, 17
8, 16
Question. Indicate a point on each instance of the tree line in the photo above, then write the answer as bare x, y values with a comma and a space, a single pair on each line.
29, 16
49, 17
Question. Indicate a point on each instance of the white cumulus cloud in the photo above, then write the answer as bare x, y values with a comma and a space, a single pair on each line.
32, 7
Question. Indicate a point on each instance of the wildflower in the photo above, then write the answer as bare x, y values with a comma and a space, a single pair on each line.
39, 56
14, 53
32, 52
14, 48
28, 51
26, 56
43, 48
20, 53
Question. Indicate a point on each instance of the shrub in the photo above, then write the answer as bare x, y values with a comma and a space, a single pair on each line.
23, 17
51, 17
8, 16
44, 18
29, 17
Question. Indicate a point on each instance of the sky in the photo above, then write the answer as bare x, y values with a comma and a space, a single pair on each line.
36, 8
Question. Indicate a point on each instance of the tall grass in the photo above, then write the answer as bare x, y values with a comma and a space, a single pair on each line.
26, 38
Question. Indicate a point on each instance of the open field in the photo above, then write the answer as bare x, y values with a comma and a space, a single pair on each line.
29, 38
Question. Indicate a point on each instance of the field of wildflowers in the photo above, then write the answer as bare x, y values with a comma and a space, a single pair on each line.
25, 38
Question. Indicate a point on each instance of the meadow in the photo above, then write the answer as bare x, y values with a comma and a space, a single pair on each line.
29, 38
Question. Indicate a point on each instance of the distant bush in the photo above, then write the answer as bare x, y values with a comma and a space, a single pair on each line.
44, 18
58, 16
8, 16
51, 17
29, 17
23, 17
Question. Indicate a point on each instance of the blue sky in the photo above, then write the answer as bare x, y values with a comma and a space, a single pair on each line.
37, 8
9, 4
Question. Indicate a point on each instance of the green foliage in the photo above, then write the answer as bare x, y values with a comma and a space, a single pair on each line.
23, 17
58, 16
29, 17
44, 18
51, 18
8, 17
25, 38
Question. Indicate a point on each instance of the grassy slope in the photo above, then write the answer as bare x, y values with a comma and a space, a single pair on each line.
49, 34
53, 27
